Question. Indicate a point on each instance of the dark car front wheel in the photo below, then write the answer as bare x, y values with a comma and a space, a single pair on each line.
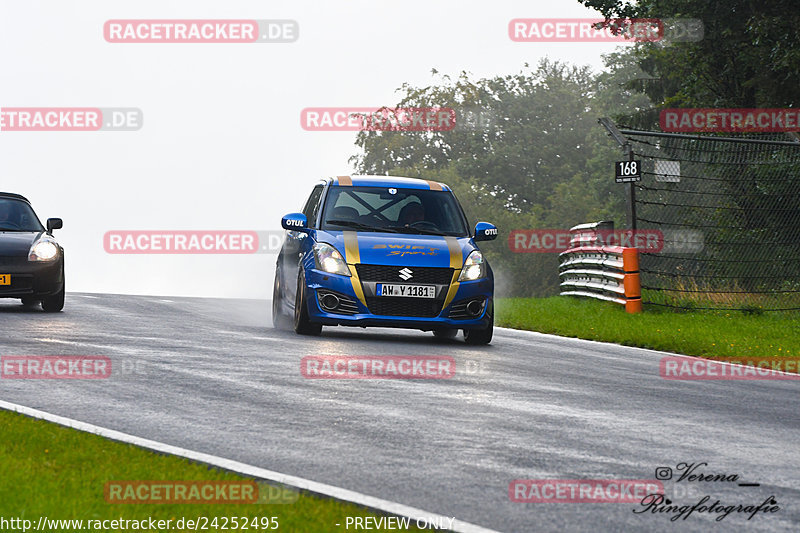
302, 324
279, 318
54, 303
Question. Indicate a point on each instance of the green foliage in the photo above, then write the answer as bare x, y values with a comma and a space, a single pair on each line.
60, 473
535, 159
712, 334
747, 58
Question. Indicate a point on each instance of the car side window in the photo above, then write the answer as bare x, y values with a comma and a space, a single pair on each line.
312, 206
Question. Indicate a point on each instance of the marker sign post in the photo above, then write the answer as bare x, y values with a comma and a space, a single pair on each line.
627, 171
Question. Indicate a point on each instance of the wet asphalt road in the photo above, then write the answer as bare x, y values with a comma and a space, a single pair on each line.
215, 377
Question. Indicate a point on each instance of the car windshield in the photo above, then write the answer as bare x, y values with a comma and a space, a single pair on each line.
16, 215
393, 210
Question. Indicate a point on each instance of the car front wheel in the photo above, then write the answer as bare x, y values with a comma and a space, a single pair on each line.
479, 336
54, 303
279, 318
302, 324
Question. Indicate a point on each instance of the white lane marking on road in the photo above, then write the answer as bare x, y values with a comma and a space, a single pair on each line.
252, 471
523, 332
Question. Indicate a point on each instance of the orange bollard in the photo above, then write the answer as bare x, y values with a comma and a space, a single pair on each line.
631, 282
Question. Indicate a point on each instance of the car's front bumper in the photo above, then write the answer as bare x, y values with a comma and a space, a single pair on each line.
31, 279
356, 312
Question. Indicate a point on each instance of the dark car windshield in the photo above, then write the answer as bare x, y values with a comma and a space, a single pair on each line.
393, 210
16, 215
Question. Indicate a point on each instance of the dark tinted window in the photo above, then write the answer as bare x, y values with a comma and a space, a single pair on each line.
312, 206
16, 215
393, 209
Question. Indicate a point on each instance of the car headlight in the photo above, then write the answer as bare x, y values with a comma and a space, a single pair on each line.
330, 260
474, 267
43, 250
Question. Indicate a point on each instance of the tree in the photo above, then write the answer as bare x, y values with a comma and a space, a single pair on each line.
527, 153
748, 57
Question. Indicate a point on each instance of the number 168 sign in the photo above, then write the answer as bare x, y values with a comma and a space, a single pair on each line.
627, 171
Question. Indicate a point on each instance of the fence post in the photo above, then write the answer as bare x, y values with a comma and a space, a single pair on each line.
632, 283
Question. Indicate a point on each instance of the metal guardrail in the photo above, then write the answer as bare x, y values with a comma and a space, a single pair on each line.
608, 273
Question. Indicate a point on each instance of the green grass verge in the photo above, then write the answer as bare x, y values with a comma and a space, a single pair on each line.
60, 473
710, 334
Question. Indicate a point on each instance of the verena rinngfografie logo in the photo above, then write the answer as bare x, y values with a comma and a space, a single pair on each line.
401, 119
378, 367
201, 31
560, 240
729, 120
70, 118
582, 490
730, 368
192, 242
55, 367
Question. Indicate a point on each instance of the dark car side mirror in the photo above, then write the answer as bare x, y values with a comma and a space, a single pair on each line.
54, 223
295, 222
485, 232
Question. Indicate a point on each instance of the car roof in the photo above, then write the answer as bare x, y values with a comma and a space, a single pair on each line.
388, 181
14, 196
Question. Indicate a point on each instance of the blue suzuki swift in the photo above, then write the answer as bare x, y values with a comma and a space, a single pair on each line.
384, 251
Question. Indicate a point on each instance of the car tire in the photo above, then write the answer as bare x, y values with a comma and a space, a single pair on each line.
54, 303
479, 336
302, 325
279, 319
445, 333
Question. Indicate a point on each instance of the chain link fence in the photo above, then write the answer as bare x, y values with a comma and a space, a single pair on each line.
729, 210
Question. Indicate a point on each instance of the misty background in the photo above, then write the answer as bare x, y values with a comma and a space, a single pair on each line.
222, 147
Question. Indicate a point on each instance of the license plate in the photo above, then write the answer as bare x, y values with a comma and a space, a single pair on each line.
408, 291
5, 279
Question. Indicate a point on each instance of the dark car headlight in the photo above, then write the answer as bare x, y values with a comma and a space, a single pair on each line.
329, 259
43, 250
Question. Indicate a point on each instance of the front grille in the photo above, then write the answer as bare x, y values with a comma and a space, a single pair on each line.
390, 306
419, 275
19, 282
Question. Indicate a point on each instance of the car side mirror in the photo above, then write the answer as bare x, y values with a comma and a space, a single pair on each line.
485, 232
54, 223
295, 222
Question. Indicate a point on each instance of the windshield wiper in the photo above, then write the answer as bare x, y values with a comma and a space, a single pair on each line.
359, 225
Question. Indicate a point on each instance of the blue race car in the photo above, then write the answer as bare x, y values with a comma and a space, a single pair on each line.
384, 251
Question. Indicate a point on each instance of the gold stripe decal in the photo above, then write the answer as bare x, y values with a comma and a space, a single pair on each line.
434, 185
345, 181
352, 257
456, 262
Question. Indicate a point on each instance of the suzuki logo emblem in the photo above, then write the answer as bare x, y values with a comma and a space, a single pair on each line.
405, 274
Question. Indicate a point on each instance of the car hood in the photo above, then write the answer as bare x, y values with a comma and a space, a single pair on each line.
15, 243
395, 249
